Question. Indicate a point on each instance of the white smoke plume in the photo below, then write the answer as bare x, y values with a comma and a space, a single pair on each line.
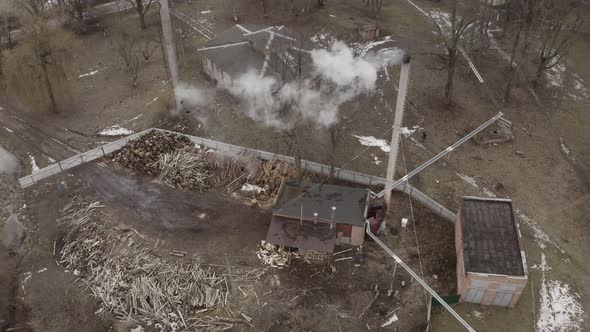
337, 77
192, 96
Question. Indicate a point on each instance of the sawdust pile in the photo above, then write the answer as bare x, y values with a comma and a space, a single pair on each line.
134, 282
142, 154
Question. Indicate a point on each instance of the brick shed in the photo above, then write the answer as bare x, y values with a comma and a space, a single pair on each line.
491, 264
318, 217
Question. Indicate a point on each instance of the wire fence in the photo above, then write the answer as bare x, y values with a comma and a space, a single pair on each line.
310, 166
60, 166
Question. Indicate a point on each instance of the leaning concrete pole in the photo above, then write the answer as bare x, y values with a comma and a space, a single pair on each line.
169, 48
395, 134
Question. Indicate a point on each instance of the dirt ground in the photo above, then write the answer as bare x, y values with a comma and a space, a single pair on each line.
301, 297
545, 183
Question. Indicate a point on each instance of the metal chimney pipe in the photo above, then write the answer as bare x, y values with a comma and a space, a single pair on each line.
398, 117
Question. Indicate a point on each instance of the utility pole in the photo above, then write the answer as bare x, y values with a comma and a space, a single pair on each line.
398, 117
168, 41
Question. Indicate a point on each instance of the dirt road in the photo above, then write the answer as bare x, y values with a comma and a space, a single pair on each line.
36, 293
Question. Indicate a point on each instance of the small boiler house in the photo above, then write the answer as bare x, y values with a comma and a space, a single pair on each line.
317, 217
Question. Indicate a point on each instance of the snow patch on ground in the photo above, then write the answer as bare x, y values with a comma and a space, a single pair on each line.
372, 141
34, 167
542, 238
560, 308
580, 90
473, 182
383, 56
49, 159
205, 12
251, 188
8, 130
28, 276
153, 101
115, 130
543, 267
565, 149
90, 73
477, 314
554, 75
322, 38
442, 19
375, 160
364, 49
405, 131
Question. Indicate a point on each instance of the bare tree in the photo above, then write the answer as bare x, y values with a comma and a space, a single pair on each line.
522, 13
133, 69
7, 25
264, 7
76, 9
147, 49
35, 69
126, 47
451, 32
128, 50
556, 38
141, 7
35, 8
374, 5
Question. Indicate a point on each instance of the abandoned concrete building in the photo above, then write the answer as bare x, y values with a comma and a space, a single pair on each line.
491, 263
267, 50
317, 217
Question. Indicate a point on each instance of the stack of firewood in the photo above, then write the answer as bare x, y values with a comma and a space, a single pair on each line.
185, 170
143, 153
272, 173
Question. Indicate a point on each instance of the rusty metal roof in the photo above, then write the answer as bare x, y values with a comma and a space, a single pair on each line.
490, 237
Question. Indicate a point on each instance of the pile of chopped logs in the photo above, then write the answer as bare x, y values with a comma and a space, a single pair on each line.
178, 164
142, 154
273, 256
184, 170
231, 166
272, 173
134, 282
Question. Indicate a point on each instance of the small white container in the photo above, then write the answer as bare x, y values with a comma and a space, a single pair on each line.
404, 222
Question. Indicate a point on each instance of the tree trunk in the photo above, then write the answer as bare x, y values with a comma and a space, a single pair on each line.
48, 85
450, 76
142, 20
512, 67
263, 4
